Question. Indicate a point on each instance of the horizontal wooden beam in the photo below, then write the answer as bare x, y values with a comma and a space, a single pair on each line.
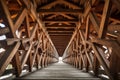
57, 32
63, 2
59, 29
59, 11
58, 25
60, 21
60, 34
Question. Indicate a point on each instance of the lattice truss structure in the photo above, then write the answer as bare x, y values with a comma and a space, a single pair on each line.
91, 28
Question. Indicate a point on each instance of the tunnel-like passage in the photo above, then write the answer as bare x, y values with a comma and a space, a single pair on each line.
35, 34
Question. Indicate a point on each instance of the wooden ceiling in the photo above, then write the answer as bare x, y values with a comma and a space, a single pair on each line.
60, 18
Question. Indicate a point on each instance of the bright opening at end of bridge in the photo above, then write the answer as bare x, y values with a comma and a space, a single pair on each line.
60, 60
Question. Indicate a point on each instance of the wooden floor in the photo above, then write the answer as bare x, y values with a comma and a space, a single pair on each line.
59, 71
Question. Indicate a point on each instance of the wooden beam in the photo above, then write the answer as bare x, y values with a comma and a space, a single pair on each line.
7, 18
29, 61
88, 8
20, 19
57, 25
36, 51
67, 16
23, 61
50, 33
105, 19
17, 64
62, 34
83, 39
27, 26
41, 26
7, 56
103, 63
60, 29
94, 21
60, 21
71, 5
87, 28
48, 6
52, 16
110, 18
59, 11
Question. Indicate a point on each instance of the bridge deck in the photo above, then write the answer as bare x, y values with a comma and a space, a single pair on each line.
59, 71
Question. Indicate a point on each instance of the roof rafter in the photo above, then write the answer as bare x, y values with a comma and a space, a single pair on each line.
48, 6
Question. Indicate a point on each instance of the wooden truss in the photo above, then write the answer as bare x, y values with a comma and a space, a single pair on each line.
32, 47
96, 45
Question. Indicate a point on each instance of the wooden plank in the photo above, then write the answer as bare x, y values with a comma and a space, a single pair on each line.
8, 56
105, 19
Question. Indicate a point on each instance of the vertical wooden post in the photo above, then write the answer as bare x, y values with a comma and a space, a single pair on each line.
17, 64
96, 66
29, 61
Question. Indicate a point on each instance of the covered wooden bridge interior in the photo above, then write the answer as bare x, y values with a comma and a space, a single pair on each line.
35, 33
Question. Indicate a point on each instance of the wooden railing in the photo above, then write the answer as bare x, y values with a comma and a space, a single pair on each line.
95, 47
31, 47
